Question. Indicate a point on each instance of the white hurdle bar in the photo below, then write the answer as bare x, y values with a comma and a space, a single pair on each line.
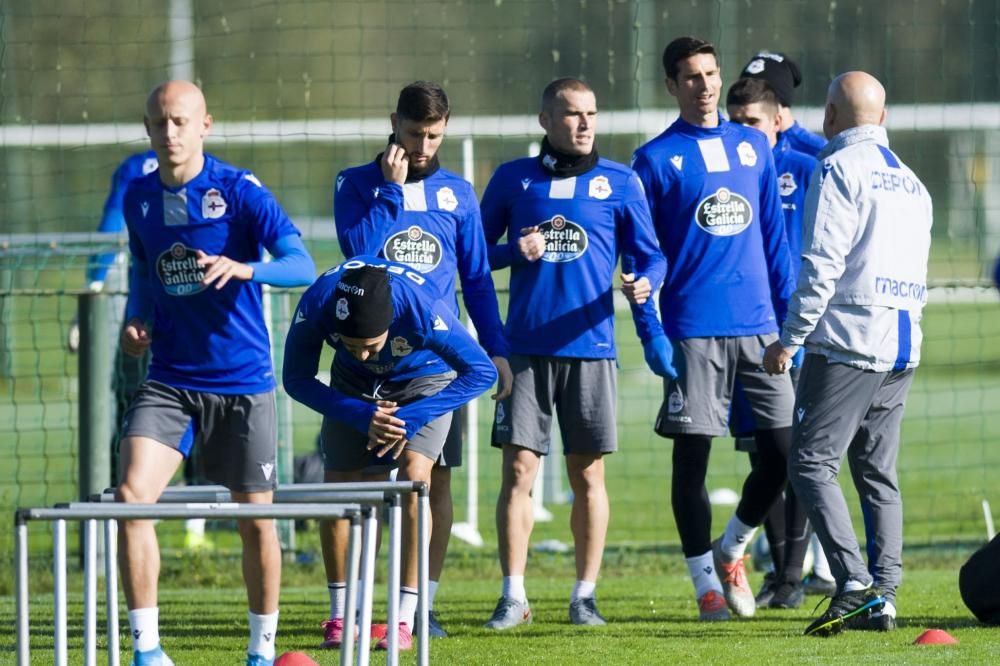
88, 512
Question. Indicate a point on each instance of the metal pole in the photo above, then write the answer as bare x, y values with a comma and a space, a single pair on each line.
23, 609
392, 603
59, 580
369, 533
90, 593
423, 588
111, 588
351, 605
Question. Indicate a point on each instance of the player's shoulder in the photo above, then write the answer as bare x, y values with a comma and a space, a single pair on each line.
515, 169
143, 185
612, 168
735, 132
447, 178
365, 172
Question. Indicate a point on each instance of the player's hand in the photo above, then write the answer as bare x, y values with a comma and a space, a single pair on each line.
73, 338
135, 338
531, 244
385, 431
221, 269
778, 359
395, 164
505, 378
636, 291
659, 354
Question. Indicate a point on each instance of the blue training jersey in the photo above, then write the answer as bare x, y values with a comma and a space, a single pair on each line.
203, 338
713, 193
433, 226
794, 170
112, 219
803, 140
562, 304
425, 338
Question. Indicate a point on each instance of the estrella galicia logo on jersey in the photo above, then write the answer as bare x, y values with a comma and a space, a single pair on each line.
564, 240
724, 213
179, 271
447, 199
787, 184
213, 206
414, 247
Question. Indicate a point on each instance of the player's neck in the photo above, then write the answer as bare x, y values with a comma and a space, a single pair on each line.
708, 120
181, 174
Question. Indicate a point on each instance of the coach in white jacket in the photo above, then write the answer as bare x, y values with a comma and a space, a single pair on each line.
857, 309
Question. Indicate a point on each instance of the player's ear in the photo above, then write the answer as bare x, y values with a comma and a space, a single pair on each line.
545, 120
881, 118
207, 124
671, 86
394, 121
145, 122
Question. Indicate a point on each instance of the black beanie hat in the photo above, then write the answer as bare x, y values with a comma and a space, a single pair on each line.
362, 303
778, 70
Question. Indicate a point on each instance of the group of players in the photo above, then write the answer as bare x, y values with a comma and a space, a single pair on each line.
710, 214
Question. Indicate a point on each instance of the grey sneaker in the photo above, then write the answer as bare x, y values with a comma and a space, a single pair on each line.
584, 611
735, 586
509, 613
767, 590
821, 587
434, 628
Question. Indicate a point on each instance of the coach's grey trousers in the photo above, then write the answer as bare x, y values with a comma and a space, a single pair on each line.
838, 410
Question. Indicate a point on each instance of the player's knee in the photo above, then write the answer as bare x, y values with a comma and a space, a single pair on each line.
134, 493
585, 473
257, 531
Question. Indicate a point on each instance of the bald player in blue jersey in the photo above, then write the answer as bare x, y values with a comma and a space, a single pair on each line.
402, 363
197, 231
405, 207
713, 193
752, 102
567, 215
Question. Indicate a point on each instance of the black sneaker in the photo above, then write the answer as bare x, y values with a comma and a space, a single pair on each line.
843, 607
766, 593
874, 621
788, 594
823, 587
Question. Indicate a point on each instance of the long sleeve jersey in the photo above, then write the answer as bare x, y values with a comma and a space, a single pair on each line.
803, 140
433, 226
424, 338
794, 171
713, 194
866, 240
562, 304
205, 339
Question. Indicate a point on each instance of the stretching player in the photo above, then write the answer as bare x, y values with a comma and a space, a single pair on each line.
857, 309
713, 192
567, 215
752, 102
197, 229
403, 206
393, 384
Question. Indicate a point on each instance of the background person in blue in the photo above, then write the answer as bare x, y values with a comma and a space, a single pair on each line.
197, 230
713, 193
752, 102
567, 215
402, 364
405, 207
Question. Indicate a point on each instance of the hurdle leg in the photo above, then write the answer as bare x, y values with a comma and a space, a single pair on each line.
351, 605
23, 645
395, 558
423, 586
90, 593
59, 579
369, 532
111, 588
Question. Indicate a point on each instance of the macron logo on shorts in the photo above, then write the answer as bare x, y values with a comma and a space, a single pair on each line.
267, 468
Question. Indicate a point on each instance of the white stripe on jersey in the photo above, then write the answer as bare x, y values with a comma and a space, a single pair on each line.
562, 188
713, 152
175, 208
413, 196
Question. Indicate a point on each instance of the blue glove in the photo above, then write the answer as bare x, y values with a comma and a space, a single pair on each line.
800, 356
660, 356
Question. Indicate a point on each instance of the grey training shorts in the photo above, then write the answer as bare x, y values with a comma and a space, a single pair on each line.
583, 392
236, 435
697, 401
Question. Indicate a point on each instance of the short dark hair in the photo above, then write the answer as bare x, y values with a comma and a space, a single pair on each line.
753, 91
559, 86
423, 102
683, 48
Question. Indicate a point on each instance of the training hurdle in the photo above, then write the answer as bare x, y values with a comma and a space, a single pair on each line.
367, 493
88, 513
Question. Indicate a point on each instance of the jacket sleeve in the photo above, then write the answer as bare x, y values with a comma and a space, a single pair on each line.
362, 226
829, 228
641, 255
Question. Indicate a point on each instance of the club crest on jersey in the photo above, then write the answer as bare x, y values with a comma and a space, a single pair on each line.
565, 240
414, 247
342, 310
179, 271
149, 166
447, 199
756, 66
748, 156
213, 206
786, 184
599, 187
724, 213
400, 346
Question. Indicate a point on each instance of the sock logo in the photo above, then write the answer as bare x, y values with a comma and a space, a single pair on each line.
268, 637
740, 539
707, 570
136, 634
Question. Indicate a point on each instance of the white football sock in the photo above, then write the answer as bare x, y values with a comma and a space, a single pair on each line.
736, 538
432, 590
145, 626
821, 567
855, 586
338, 599
262, 632
513, 587
702, 570
407, 605
584, 589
